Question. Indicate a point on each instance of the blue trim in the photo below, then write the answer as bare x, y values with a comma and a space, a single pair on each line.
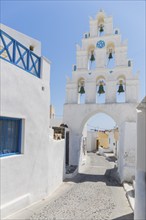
13, 137
29, 55
19, 135
9, 154
7, 118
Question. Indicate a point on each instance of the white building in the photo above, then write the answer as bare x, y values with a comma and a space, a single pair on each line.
28, 171
140, 186
103, 81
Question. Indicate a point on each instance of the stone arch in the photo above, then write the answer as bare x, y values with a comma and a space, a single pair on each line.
124, 114
121, 79
100, 78
80, 79
110, 51
110, 46
91, 56
91, 47
121, 85
100, 18
92, 113
100, 89
100, 22
81, 90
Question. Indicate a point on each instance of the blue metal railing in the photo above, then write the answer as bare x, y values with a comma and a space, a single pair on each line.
14, 52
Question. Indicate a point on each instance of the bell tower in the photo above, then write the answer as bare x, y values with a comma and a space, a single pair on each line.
102, 81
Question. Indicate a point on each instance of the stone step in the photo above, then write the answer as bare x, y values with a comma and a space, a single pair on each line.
130, 193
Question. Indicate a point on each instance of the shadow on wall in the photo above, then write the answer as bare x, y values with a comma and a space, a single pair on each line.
125, 217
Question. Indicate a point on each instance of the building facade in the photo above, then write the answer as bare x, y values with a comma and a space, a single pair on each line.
26, 148
103, 81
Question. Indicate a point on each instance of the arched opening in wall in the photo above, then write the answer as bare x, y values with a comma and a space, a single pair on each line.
100, 25
100, 90
121, 88
110, 51
81, 91
91, 57
100, 135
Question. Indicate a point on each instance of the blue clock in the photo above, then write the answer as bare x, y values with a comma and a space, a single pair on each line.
100, 44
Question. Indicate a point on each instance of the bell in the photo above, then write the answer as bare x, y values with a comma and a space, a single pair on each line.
110, 56
101, 28
92, 57
101, 89
121, 89
82, 90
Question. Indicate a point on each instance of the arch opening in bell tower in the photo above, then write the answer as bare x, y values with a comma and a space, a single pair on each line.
101, 134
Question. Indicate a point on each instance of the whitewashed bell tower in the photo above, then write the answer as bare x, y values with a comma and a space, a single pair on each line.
102, 81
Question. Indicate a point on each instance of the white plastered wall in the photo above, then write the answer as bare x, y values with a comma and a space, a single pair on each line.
140, 186
124, 114
127, 114
126, 151
91, 141
31, 175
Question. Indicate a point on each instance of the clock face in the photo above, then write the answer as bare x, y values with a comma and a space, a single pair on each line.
100, 44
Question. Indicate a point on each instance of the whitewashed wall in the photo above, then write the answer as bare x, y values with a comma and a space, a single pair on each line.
38, 170
91, 140
112, 141
126, 151
120, 113
56, 122
83, 146
140, 186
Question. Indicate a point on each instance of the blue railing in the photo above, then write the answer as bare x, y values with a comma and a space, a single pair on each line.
19, 55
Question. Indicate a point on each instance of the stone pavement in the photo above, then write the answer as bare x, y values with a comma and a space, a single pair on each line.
93, 194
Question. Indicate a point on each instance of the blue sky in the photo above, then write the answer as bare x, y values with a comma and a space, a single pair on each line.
59, 25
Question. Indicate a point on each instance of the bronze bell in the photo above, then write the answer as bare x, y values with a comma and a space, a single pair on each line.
101, 89
92, 58
110, 56
121, 89
82, 90
101, 28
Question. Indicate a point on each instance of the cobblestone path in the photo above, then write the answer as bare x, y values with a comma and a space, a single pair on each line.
92, 194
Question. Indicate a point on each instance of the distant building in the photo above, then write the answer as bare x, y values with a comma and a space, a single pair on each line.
107, 139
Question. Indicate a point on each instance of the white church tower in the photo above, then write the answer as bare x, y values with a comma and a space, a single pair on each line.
102, 81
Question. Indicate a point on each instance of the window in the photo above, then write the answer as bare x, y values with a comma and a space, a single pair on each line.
10, 136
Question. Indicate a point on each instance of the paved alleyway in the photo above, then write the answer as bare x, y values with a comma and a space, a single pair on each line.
92, 194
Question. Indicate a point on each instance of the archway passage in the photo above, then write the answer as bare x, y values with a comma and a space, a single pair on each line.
76, 116
100, 135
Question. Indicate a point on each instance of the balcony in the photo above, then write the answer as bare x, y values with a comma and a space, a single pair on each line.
14, 52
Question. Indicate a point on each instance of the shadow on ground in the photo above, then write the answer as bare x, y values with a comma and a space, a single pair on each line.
110, 178
125, 217
111, 159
